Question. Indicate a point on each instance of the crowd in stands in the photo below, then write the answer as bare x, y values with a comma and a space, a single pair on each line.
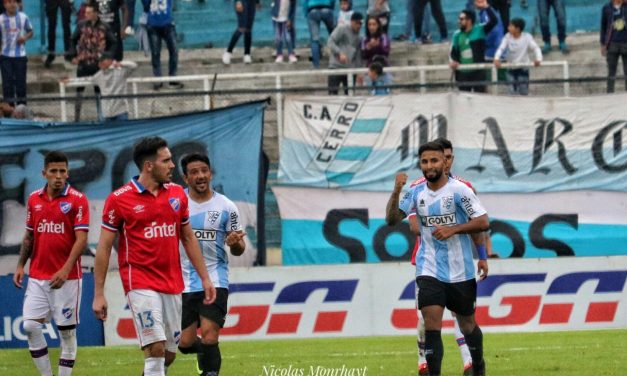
486, 33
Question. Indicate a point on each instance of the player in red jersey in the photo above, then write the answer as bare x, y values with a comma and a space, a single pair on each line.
449, 157
57, 222
150, 216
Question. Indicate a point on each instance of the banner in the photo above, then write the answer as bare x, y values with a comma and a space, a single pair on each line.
550, 171
89, 333
372, 300
101, 160
502, 144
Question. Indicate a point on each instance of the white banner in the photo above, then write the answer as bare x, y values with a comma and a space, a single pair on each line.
369, 300
502, 144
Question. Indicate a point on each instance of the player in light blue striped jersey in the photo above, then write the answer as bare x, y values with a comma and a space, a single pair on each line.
449, 212
215, 222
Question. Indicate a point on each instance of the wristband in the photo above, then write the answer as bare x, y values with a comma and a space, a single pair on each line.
481, 251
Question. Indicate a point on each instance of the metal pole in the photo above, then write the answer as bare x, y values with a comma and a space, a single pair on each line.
135, 100
495, 78
205, 84
566, 77
63, 102
279, 110
423, 81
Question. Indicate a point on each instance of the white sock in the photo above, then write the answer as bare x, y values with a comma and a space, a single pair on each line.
461, 343
421, 339
38, 347
154, 367
68, 352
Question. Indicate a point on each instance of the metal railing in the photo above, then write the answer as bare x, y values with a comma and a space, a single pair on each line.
280, 78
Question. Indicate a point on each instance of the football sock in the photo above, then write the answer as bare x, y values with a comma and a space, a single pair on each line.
193, 349
209, 359
434, 351
38, 347
475, 345
68, 350
154, 366
421, 339
461, 343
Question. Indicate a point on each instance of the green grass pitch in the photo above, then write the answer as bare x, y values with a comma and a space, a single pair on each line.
552, 353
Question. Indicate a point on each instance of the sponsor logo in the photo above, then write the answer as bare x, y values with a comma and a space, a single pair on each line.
422, 203
111, 215
51, 227
67, 312
163, 230
38, 207
79, 215
234, 221
139, 208
439, 220
76, 193
175, 203
65, 207
205, 234
468, 206
122, 190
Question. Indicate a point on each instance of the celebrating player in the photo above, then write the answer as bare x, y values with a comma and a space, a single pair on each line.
150, 216
215, 221
448, 211
57, 222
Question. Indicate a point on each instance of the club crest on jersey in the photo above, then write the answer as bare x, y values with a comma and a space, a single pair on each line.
67, 312
177, 336
65, 207
212, 216
447, 202
175, 203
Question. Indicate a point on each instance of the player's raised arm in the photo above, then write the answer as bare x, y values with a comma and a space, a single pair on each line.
192, 249
101, 264
393, 214
235, 241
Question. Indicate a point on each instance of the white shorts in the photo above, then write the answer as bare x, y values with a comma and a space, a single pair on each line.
157, 317
62, 304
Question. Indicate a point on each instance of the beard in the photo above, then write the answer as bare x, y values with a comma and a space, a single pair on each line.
435, 177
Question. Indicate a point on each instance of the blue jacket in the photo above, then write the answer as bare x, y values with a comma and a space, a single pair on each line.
276, 4
309, 4
158, 16
494, 37
608, 34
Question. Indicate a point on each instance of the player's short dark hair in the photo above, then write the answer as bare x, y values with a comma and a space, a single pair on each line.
470, 14
445, 142
55, 156
194, 157
147, 148
376, 68
430, 146
518, 23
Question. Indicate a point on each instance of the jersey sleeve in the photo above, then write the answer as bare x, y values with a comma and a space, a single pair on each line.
29, 216
111, 216
81, 218
469, 203
234, 223
406, 205
184, 209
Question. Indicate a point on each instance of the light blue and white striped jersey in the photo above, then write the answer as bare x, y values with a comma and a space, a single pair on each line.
449, 260
211, 222
12, 27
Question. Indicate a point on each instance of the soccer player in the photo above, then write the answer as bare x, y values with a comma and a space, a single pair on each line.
150, 215
448, 211
57, 222
477, 238
215, 221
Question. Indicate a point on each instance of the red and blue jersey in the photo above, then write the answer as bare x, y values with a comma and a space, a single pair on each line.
54, 222
149, 230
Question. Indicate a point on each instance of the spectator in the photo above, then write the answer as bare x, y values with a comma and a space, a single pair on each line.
130, 20
16, 29
614, 39
377, 81
559, 7
518, 44
245, 11
318, 11
375, 43
109, 11
494, 37
380, 9
90, 40
425, 37
468, 47
160, 25
438, 15
111, 79
345, 13
22, 112
51, 16
283, 12
344, 45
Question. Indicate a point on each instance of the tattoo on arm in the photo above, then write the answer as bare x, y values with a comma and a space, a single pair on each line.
26, 249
